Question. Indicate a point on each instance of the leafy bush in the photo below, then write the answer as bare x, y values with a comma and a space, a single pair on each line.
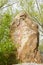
8, 54
8, 50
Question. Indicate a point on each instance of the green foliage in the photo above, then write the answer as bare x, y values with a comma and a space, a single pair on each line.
8, 54
41, 8
17, 12
8, 50
41, 47
2, 2
31, 7
4, 27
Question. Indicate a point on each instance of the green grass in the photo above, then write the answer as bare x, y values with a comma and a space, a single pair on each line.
41, 47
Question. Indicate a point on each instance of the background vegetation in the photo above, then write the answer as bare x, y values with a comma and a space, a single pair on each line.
34, 8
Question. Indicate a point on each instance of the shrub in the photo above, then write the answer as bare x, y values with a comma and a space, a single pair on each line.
8, 50
8, 53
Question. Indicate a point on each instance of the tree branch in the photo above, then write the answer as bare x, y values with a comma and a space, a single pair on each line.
8, 5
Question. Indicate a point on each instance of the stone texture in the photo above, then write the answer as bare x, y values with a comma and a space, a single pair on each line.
24, 33
28, 64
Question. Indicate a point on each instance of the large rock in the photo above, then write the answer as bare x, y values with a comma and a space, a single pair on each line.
24, 33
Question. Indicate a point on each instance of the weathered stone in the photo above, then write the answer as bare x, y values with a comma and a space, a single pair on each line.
24, 33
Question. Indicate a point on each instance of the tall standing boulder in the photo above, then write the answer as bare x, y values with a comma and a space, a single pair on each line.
24, 33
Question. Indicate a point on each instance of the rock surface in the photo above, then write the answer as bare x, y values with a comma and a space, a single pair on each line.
28, 64
24, 33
